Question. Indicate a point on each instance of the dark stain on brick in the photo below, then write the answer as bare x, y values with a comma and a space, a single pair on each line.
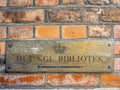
37, 18
64, 15
14, 16
72, 15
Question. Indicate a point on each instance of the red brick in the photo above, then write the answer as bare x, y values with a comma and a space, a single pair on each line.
47, 32
2, 48
117, 63
47, 2
21, 32
22, 16
117, 31
20, 2
3, 3
21, 79
117, 47
74, 31
110, 80
84, 80
2, 32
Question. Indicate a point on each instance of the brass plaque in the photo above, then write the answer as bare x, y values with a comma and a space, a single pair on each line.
60, 56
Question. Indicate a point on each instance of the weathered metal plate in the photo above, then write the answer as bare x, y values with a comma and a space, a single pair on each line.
59, 56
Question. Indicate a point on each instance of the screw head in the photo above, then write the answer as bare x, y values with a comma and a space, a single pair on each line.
109, 67
9, 67
10, 45
109, 45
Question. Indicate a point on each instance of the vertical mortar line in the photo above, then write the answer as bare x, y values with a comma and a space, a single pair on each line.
7, 32
45, 77
8, 3
112, 31
86, 2
34, 31
5, 48
100, 14
87, 31
99, 81
46, 16
60, 30
116, 4
60, 2
110, 1
34, 3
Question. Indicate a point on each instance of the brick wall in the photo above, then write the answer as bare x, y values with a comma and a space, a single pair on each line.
60, 19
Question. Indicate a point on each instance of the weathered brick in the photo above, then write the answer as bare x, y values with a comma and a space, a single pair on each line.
47, 31
109, 15
20, 2
21, 32
99, 31
73, 1
72, 15
117, 63
21, 79
116, 1
117, 47
21, 16
74, 31
3, 3
110, 80
117, 31
84, 80
99, 2
46, 2
2, 32
2, 48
